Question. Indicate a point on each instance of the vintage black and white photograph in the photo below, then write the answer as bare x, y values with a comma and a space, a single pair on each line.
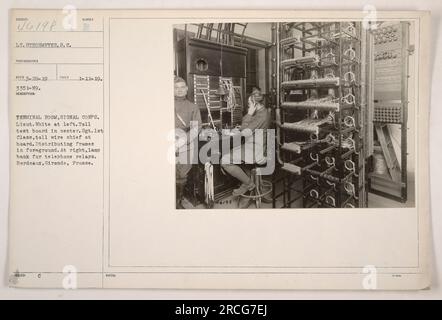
200, 149
295, 114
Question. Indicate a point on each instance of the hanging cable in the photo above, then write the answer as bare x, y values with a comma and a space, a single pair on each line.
208, 183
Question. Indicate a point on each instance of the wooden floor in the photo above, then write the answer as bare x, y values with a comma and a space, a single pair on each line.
375, 201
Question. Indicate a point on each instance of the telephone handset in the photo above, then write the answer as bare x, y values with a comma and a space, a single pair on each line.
252, 104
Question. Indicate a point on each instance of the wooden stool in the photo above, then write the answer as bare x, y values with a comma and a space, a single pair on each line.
262, 187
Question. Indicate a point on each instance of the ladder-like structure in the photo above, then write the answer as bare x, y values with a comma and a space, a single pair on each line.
223, 33
388, 151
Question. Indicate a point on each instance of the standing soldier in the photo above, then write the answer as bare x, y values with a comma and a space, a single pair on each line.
185, 113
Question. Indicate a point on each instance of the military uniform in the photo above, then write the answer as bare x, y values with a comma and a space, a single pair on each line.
185, 113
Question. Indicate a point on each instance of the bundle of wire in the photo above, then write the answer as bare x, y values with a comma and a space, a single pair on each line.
313, 82
322, 104
301, 60
307, 125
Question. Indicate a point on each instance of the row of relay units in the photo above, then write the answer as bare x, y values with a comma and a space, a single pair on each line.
385, 35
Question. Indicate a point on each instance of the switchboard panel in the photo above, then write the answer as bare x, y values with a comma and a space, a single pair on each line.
390, 90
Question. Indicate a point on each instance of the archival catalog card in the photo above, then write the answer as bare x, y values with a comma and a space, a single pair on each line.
219, 149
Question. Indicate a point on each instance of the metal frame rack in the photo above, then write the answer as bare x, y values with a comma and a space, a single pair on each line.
319, 98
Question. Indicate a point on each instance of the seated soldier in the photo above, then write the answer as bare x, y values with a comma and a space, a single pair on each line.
253, 149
